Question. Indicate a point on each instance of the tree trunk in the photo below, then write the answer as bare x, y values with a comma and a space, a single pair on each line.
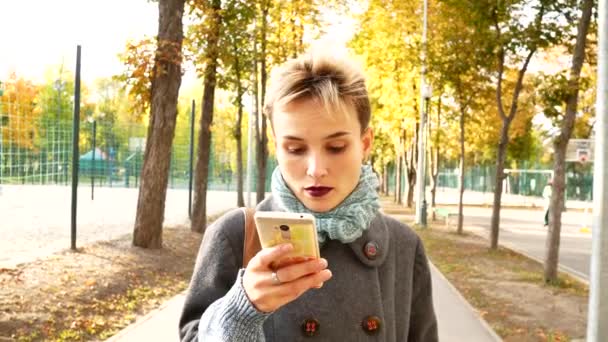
504, 141
240, 201
559, 169
461, 175
262, 147
411, 169
500, 166
199, 212
506, 122
398, 192
385, 180
435, 160
238, 136
166, 81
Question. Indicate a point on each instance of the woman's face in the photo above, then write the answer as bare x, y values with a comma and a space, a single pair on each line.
319, 154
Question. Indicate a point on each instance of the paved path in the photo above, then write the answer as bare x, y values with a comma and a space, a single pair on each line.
457, 320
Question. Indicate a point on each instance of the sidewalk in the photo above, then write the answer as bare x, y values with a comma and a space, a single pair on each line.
457, 320
449, 196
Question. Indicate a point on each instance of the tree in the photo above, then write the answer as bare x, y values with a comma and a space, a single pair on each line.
279, 31
166, 80
388, 43
570, 98
261, 135
460, 64
515, 41
435, 150
138, 59
237, 55
19, 103
209, 60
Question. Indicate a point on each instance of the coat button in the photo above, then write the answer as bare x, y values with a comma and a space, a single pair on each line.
371, 325
310, 327
371, 250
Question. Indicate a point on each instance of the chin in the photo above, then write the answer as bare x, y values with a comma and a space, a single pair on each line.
319, 205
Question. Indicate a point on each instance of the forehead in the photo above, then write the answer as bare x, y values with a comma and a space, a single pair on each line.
310, 113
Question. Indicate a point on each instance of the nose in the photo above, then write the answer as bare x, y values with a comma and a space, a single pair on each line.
317, 167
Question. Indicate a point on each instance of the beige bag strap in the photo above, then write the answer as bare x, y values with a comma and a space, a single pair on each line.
251, 242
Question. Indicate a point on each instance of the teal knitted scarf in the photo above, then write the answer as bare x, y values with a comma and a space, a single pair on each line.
347, 221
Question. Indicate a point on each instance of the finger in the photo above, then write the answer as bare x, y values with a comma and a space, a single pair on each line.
296, 271
267, 255
296, 288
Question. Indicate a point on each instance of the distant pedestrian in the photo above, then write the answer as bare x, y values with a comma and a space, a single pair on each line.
547, 191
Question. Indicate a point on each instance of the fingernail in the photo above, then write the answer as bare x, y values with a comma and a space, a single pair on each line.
323, 263
286, 247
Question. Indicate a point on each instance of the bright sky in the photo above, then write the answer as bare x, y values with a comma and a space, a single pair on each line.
39, 34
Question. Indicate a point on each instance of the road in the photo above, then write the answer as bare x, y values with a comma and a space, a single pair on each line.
523, 229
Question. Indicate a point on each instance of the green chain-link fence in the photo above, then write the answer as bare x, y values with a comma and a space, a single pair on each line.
36, 148
527, 180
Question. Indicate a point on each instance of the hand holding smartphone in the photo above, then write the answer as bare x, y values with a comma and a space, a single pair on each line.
299, 229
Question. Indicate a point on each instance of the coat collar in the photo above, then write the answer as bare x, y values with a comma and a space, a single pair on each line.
376, 237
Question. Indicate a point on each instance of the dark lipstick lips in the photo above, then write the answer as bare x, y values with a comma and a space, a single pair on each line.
318, 191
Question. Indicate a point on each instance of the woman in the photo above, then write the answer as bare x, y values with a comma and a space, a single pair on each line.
372, 282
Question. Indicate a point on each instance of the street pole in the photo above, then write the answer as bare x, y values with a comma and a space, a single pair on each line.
192, 114
597, 329
420, 175
75, 150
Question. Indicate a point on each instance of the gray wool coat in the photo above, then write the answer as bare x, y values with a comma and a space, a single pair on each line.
393, 286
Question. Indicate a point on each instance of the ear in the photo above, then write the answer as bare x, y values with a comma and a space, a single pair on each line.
367, 140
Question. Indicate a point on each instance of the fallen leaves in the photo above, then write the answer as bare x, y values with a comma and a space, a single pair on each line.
93, 294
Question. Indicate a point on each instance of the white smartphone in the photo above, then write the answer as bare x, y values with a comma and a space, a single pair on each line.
299, 229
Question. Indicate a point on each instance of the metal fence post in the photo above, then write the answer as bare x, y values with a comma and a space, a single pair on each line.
75, 150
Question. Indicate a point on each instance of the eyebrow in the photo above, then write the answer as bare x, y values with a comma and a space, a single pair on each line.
331, 136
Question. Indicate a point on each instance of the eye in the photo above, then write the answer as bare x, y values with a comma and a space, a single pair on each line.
297, 150
336, 148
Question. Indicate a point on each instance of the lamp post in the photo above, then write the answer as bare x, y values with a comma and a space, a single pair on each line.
597, 330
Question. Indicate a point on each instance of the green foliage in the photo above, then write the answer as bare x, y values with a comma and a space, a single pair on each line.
138, 59
388, 44
553, 91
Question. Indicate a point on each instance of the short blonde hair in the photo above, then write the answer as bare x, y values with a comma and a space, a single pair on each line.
335, 81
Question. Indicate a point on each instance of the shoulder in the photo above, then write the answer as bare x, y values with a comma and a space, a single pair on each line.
399, 230
229, 228
228, 223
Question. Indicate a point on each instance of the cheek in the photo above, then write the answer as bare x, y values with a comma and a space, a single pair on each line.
291, 167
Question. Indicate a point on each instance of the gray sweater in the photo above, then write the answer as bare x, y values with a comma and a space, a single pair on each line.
381, 296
